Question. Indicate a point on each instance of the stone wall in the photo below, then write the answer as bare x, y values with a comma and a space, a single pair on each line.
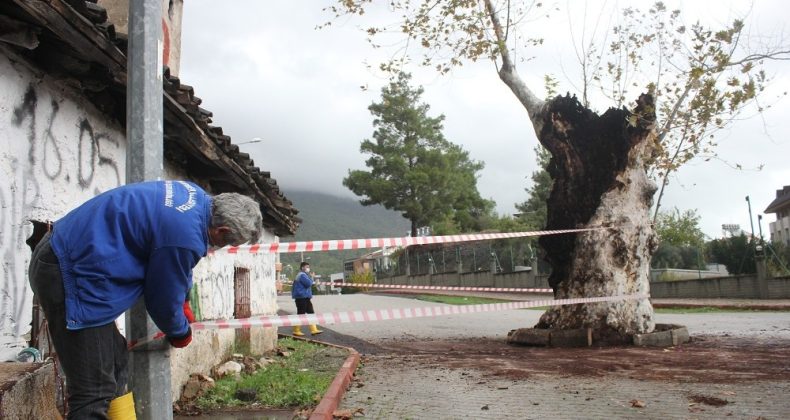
27, 391
522, 279
732, 287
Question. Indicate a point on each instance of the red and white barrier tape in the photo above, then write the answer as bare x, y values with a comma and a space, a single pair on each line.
382, 314
447, 288
345, 244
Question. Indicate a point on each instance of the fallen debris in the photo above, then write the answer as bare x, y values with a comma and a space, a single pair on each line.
227, 369
704, 399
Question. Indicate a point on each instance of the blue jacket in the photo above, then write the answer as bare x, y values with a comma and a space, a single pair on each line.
135, 240
303, 286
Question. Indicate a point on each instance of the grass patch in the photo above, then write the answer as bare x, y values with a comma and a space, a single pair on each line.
459, 300
297, 381
708, 310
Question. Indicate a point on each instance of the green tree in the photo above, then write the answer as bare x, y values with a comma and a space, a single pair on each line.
598, 162
736, 253
681, 241
680, 229
704, 79
533, 210
413, 168
778, 256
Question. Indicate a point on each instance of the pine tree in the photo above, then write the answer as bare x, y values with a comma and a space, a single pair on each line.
413, 169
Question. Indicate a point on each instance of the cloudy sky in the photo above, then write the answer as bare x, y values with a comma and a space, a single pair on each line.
265, 71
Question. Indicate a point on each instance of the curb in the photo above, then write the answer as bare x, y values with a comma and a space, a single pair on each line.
331, 399
682, 305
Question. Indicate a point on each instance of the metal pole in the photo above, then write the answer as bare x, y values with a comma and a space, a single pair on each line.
751, 222
760, 226
149, 368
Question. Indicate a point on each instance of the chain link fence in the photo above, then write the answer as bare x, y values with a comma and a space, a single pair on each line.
500, 256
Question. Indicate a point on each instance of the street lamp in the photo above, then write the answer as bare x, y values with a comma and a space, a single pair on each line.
252, 140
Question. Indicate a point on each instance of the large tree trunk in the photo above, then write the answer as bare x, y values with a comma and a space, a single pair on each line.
599, 177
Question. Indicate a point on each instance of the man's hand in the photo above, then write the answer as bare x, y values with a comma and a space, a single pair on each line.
188, 312
183, 341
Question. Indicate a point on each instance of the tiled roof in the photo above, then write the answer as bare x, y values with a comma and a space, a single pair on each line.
782, 200
73, 38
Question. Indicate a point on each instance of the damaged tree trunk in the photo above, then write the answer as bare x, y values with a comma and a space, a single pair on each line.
598, 168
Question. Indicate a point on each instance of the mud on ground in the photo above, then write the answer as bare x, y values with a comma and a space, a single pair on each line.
706, 359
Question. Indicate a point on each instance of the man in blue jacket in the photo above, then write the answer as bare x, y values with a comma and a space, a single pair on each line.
137, 240
302, 293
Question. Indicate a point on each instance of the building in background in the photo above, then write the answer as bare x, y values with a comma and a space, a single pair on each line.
780, 229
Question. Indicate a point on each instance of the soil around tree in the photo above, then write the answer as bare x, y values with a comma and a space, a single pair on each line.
708, 359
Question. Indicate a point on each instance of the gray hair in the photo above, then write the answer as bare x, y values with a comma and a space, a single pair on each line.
241, 214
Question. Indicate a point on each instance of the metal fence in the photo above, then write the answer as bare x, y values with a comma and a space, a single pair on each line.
503, 256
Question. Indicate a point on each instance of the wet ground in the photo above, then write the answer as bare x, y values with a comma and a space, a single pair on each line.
737, 366
704, 359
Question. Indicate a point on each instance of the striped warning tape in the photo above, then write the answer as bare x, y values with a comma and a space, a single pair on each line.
382, 314
446, 288
346, 244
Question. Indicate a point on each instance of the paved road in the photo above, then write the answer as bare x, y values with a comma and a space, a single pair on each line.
497, 324
416, 386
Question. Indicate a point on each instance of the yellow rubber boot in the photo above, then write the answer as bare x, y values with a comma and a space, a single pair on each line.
122, 408
314, 330
298, 331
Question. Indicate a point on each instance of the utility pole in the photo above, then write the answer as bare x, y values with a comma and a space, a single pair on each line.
149, 367
760, 227
751, 222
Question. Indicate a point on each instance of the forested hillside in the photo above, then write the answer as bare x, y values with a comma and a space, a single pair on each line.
329, 217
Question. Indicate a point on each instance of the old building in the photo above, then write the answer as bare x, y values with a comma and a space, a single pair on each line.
63, 73
780, 229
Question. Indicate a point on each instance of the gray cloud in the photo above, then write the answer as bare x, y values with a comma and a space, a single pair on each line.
264, 71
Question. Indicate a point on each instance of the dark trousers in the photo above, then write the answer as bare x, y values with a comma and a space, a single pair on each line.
93, 359
304, 306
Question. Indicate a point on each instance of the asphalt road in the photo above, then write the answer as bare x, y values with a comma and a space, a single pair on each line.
497, 324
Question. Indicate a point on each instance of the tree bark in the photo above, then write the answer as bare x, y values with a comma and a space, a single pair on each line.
598, 167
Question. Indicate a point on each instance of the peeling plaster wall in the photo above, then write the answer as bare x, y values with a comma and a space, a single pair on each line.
56, 151
213, 276
214, 280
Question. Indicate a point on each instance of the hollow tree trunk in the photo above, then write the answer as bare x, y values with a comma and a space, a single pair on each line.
599, 179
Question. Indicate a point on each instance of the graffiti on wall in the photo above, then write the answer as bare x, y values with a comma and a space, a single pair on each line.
56, 156
44, 150
214, 276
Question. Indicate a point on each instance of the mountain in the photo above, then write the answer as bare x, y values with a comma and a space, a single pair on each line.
326, 217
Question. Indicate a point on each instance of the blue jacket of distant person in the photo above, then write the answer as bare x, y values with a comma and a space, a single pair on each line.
302, 287
136, 240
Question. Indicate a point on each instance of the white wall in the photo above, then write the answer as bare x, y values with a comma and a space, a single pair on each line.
780, 230
56, 151
213, 277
